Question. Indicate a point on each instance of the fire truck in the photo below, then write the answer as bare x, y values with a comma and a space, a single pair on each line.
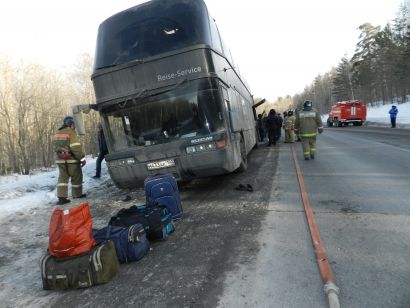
344, 113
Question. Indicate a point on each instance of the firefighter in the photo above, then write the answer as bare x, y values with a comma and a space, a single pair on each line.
69, 159
308, 123
289, 127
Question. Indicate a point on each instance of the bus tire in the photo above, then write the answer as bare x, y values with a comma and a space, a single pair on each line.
244, 158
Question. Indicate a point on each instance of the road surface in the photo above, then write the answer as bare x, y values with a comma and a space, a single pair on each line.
253, 249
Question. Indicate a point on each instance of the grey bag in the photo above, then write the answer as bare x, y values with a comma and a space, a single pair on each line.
97, 266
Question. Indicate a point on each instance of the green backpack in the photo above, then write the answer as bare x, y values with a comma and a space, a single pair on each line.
97, 266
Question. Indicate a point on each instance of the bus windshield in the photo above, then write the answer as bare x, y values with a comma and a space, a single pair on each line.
164, 118
145, 31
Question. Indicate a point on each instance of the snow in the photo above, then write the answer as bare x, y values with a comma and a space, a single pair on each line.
24, 192
379, 114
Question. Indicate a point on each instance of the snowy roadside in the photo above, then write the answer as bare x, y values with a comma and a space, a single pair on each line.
25, 192
379, 116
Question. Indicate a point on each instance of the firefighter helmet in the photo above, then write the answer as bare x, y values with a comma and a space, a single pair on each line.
290, 113
307, 104
68, 121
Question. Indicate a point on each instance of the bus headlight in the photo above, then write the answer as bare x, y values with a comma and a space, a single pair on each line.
202, 147
121, 162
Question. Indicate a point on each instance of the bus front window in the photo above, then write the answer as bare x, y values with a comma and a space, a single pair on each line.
165, 119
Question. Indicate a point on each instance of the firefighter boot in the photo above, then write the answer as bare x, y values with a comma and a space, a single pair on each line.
62, 200
312, 156
82, 196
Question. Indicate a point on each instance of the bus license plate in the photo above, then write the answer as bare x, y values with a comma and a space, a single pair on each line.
161, 164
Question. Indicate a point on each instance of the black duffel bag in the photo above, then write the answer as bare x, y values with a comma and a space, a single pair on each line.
156, 220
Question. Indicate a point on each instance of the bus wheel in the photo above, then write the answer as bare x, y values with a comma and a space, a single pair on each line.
244, 159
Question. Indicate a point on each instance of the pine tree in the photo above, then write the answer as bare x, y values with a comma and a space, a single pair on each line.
364, 61
342, 81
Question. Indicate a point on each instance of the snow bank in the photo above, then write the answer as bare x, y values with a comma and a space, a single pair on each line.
23, 192
380, 113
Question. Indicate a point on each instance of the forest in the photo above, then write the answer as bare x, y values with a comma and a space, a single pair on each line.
33, 102
378, 71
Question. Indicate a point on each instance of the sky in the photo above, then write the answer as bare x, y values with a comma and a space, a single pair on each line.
280, 46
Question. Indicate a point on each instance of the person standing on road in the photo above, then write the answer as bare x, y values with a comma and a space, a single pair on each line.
280, 124
308, 123
289, 127
272, 123
69, 159
261, 128
103, 150
393, 114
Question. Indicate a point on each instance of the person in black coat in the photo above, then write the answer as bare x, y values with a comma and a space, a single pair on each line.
103, 150
279, 128
273, 124
261, 128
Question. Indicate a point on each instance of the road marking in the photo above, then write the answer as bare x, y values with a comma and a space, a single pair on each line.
321, 257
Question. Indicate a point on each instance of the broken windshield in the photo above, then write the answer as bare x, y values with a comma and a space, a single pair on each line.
164, 118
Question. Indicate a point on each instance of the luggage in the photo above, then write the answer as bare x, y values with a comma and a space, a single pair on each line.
70, 231
156, 220
95, 267
163, 189
131, 243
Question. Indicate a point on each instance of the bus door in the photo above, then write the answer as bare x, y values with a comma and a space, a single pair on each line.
232, 108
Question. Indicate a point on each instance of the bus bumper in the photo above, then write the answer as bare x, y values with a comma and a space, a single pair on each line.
130, 174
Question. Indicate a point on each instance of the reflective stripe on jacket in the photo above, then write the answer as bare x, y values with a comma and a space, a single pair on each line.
308, 122
66, 142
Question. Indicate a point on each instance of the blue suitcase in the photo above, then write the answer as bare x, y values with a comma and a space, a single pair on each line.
163, 189
130, 242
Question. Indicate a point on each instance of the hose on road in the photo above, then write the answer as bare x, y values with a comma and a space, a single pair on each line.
330, 288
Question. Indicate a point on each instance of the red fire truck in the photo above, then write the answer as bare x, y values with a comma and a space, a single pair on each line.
343, 113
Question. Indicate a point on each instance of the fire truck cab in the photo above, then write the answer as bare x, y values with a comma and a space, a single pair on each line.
344, 113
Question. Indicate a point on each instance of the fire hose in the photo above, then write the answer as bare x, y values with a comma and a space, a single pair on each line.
330, 288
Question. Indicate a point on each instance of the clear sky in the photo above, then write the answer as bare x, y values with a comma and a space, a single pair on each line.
280, 45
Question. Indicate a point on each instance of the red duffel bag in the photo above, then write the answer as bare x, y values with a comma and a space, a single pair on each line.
71, 231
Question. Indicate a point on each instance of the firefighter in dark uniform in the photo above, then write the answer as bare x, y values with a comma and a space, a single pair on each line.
308, 123
69, 159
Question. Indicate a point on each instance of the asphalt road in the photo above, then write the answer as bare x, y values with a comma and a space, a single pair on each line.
253, 249
358, 188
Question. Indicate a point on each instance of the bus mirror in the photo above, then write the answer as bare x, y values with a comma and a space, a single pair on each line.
79, 123
78, 117
262, 101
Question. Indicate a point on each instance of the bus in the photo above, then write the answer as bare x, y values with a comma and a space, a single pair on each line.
170, 97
